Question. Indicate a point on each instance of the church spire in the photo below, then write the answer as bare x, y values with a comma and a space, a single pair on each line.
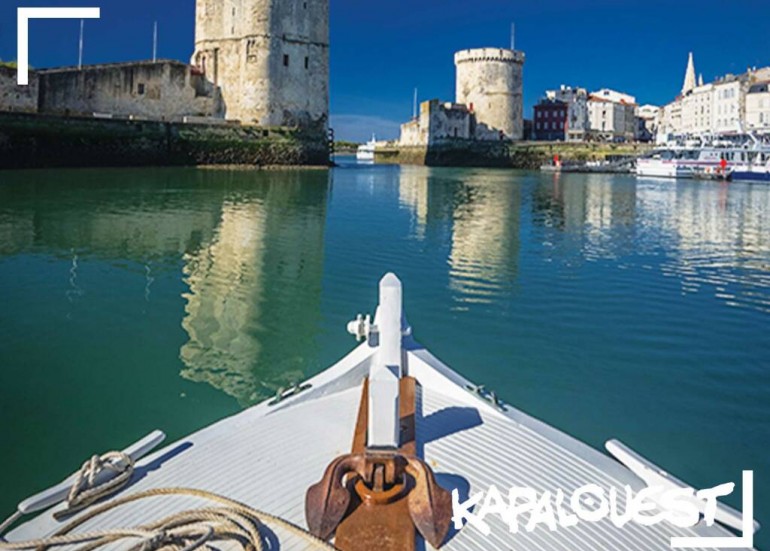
689, 78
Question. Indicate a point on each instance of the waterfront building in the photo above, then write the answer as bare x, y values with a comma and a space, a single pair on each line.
576, 100
572, 114
696, 110
758, 108
551, 120
612, 116
721, 107
438, 121
728, 98
647, 122
670, 120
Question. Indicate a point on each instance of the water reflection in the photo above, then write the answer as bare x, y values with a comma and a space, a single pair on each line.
246, 250
255, 289
249, 244
113, 215
596, 211
485, 238
479, 213
716, 236
705, 234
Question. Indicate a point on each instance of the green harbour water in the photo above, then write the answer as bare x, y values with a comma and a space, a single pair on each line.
607, 306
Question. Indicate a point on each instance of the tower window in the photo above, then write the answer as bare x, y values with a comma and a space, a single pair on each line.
285, 60
307, 62
304, 5
140, 89
251, 51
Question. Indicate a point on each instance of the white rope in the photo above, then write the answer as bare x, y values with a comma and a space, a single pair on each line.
85, 489
186, 531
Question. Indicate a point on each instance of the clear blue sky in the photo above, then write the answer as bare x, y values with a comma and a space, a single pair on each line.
381, 51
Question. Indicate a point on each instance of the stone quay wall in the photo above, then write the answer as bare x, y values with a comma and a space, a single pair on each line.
522, 155
19, 99
38, 141
162, 90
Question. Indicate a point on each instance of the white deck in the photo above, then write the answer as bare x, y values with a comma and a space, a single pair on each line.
268, 456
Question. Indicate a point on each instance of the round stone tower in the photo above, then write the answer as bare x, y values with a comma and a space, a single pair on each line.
489, 82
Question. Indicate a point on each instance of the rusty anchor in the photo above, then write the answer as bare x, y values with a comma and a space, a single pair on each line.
381, 494
377, 498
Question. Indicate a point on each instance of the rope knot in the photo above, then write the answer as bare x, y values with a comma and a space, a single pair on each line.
99, 476
156, 541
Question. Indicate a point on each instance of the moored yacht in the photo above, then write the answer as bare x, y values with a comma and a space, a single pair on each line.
365, 151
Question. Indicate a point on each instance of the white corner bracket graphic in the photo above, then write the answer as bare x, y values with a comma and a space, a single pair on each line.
746, 541
23, 17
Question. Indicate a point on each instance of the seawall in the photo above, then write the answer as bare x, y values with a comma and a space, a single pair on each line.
524, 155
40, 141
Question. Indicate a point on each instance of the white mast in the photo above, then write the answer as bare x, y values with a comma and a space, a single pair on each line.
80, 45
513, 36
414, 109
155, 43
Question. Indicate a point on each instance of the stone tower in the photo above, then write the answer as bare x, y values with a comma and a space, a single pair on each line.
269, 57
489, 82
689, 77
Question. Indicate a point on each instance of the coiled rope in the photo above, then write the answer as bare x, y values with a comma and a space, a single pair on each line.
85, 490
185, 531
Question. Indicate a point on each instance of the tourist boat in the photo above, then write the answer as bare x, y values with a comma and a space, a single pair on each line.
370, 454
365, 151
697, 162
757, 171
663, 163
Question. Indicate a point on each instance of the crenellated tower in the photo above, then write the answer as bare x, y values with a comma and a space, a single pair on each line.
269, 57
490, 83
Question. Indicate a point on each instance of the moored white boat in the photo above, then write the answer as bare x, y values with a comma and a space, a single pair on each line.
390, 403
691, 162
758, 171
365, 152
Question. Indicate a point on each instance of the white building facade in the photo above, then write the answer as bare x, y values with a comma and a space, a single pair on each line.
758, 108
732, 104
576, 100
612, 116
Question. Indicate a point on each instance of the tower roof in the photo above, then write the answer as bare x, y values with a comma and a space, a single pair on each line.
689, 77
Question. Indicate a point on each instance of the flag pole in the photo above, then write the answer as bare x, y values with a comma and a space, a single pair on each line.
155, 43
80, 45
